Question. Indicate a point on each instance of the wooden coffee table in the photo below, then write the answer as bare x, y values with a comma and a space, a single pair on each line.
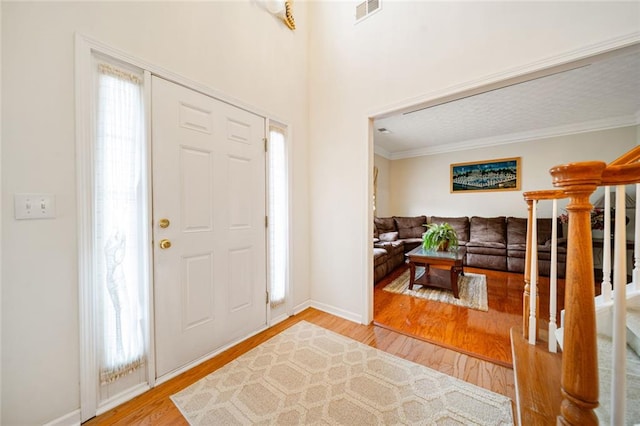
433, 277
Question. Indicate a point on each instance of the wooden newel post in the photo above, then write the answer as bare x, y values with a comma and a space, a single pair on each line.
580, 356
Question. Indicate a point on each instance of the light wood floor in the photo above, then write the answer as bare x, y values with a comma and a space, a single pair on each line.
155, 408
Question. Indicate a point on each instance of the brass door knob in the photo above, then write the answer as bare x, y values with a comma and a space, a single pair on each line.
164, 223
165, 244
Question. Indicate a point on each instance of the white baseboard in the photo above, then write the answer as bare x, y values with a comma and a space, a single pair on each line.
301, 307
122, 397
278, 319
71, 419
351, 316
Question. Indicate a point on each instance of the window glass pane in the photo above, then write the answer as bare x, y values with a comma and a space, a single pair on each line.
278, 216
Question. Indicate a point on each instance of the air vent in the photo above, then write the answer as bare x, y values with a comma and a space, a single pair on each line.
366, 8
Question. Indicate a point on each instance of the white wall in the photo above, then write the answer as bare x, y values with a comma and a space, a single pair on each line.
421, 185
383, 195
233, 47
405, 52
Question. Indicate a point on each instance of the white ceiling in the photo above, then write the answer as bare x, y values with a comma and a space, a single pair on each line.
603, 94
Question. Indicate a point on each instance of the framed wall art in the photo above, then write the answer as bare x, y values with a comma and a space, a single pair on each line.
502, 174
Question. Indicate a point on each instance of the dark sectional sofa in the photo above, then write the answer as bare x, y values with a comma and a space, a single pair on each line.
489, 242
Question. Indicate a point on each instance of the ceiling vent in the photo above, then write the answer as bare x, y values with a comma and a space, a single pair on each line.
366, 8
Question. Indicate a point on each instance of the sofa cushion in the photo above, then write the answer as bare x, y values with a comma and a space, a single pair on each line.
412, 240
545, 231
487, 230
460, 224
517, 231
410, 227
479, 245
380, 256
375, 230
487, 261
517, 247
392, 247
388, 236
487, 249
384, 224
542, 248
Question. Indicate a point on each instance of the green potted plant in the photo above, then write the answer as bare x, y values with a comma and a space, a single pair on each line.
440, 237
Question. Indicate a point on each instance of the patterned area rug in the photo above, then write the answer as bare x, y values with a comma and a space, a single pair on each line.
472, 289
310, 375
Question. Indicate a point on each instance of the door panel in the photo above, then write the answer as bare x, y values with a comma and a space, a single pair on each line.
240, 184
197, 190
197, 297
209, 181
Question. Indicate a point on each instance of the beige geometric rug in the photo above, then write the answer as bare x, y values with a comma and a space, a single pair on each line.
472, 289
310, 375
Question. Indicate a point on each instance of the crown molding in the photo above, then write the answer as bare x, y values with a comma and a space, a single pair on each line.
382, 152
550, 132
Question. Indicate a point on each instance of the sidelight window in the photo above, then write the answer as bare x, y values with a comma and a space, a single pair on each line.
119, 234
278, 213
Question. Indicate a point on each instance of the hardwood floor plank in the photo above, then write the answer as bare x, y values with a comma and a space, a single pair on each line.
539, 394
480, 334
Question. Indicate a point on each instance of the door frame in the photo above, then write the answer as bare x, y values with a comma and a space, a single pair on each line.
85, 48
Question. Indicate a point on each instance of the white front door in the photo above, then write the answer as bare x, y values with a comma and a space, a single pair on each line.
209, 224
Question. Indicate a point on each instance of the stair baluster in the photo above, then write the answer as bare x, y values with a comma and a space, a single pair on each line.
527, 270
619, 335
533, 323
636, 249
605, 286
553, 279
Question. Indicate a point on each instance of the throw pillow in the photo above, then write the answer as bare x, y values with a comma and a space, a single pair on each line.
384, 224
388, 236
410, 227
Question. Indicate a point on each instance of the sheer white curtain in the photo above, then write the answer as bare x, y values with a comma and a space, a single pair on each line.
278, 216
121, 283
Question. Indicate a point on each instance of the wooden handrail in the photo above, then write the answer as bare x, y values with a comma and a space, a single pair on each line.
546, 194
580, 359
621, 174
629, 157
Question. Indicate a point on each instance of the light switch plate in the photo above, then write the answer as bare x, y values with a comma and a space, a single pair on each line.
34, 206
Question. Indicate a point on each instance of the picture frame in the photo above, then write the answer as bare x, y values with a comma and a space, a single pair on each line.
502, 174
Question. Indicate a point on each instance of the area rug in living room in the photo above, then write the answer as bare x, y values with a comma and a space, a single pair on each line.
310, 375
472, 289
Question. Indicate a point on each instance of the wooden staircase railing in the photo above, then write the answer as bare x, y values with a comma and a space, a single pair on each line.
579, 380
579, 371
529, 313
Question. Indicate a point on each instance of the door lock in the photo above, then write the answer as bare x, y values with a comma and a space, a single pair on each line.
164, 223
